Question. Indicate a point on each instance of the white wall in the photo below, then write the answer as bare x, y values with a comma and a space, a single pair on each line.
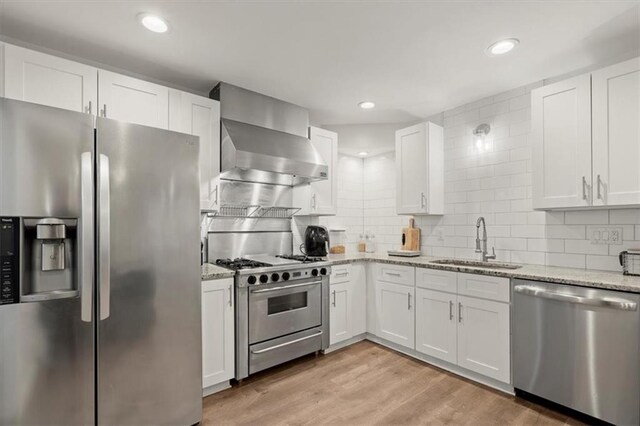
494, 183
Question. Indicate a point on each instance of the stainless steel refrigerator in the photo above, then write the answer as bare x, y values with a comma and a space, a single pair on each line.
100, 293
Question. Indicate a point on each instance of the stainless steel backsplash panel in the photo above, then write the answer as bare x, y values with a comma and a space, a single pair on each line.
223, 245
234, 192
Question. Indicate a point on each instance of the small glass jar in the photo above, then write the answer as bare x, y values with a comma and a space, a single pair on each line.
362, 244
371, 243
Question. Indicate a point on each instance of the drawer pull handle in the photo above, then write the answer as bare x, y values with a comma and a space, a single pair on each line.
450, 310
282, 345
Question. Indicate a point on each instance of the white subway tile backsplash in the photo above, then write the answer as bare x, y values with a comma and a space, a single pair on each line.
496, 183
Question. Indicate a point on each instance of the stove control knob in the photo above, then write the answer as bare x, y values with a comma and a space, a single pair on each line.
314, 272
275, 277
323, 271
252, 279
286, 276
264, 278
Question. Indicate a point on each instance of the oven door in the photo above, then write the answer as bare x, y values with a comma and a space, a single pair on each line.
279, 309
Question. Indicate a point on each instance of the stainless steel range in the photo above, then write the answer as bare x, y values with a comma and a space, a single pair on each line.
282, 309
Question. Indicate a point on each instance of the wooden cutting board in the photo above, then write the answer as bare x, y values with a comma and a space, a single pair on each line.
411, 237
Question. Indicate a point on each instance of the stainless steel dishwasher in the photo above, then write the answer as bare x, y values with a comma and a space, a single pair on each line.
579, 347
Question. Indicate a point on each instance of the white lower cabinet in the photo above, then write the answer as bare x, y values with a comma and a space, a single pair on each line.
348, 299
339, 313
217, 332
471, 332
436, 324
484, 337
395, 313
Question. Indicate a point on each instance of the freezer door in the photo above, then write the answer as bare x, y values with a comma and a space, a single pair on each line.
149, 328
46, 349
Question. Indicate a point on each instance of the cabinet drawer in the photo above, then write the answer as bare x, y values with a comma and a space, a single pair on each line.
340, 274
396, 274
484, 286
436, 280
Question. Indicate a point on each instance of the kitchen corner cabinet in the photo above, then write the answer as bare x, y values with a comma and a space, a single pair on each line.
131, 100
48, 80
348, 293
218, 324
320, 198
200, 116
580, 127
420, 170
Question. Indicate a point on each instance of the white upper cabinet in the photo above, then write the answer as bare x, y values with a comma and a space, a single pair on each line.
200, 116
48, 80
586, 140
320, 198
561, 123
616, 134
133, 101
420, 170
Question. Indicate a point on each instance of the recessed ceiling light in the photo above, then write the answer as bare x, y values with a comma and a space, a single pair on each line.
503, 46
366, 104
363, 153
153, 23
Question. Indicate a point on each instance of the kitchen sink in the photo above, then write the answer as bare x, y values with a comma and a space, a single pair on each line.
476, 264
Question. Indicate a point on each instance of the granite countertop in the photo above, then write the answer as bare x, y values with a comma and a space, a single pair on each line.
213, 272
582, 277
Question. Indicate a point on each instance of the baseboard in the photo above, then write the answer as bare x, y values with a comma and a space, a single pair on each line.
452, 368
345, 343
215, 388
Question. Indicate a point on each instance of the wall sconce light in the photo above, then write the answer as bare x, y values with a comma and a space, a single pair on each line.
479, 135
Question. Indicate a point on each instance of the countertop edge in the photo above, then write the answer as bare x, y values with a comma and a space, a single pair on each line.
521, 273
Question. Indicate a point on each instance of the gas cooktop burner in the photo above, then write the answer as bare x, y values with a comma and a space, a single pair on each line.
241, 263
301, 258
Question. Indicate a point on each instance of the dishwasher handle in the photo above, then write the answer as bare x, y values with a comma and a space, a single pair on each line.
607, 302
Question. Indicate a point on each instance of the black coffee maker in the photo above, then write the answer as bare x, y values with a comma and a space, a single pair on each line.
316, 241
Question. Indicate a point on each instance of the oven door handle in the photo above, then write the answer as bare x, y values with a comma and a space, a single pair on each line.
266, 290
282, 345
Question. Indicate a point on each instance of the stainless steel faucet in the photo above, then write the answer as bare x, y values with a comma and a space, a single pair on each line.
483, 250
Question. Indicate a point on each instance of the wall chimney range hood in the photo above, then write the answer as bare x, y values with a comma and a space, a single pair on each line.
264, 139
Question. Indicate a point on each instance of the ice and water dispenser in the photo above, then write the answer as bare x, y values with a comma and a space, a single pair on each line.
38, 257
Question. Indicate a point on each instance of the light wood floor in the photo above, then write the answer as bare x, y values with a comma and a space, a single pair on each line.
368, 384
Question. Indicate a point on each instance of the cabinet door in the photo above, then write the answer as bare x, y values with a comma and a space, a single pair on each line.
395, 309
561, 131
339, 321
436, 324
324, 194
616, 134
484, 337
134, 101
200, 116
358, 288
411, 173
217, 332
48, 80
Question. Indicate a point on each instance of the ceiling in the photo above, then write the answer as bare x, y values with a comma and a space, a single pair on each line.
414, 59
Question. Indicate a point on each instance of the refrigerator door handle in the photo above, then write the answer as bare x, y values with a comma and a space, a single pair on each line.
86, 243
104, 236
